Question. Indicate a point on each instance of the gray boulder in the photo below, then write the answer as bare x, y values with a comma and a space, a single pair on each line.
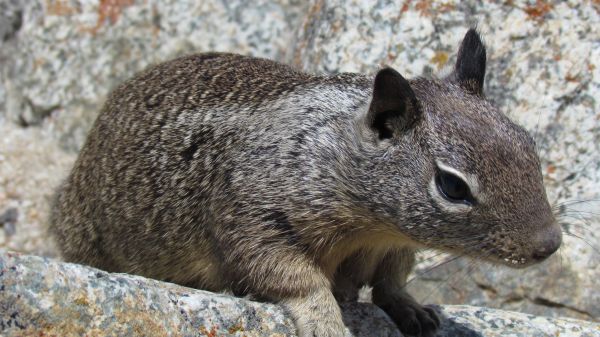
43, 297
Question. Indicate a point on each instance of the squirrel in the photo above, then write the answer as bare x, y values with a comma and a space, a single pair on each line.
231, 173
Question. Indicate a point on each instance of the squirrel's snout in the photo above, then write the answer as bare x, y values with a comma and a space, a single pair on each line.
546, 242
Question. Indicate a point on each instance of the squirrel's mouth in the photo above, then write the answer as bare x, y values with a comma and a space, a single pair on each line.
529, 250
512, 261
507, 248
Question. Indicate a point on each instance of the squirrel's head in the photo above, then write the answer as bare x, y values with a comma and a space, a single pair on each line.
468, 178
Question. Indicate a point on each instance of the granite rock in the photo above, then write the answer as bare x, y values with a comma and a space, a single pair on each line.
44, 297
11, 19
39, 296
70, 54
544, 72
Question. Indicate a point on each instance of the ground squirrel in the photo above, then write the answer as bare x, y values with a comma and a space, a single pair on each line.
226, 172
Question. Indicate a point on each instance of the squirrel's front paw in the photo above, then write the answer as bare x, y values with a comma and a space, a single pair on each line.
320, 328
412, 318
316, 315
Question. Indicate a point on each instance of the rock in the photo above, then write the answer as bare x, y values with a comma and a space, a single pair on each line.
468, 321
544, 71
8, 220
39, 296
70, 54
11, 20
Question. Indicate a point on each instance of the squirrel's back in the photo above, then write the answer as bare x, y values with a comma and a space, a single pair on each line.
186, 141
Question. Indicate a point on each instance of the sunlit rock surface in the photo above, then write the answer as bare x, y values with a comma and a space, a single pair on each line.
42, 297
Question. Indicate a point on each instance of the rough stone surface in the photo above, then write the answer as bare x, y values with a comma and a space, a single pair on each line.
69, 54
544, 72
42, 297
468, 321
59, 59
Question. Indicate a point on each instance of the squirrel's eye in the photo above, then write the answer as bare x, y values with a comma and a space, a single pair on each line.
453, 188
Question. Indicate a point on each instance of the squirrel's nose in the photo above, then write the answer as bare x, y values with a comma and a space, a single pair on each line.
546, 242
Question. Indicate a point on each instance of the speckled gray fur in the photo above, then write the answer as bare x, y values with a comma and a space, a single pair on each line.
220, 171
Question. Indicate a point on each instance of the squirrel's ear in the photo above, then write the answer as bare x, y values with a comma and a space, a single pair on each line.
469, 70
394, 106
